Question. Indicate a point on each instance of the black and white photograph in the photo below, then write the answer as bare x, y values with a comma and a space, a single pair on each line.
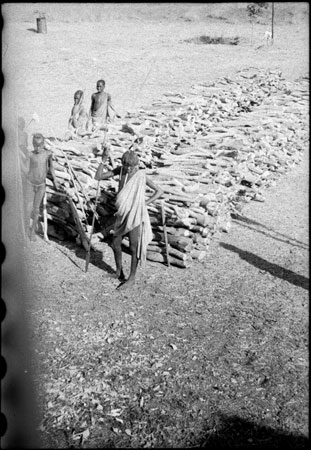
155, 225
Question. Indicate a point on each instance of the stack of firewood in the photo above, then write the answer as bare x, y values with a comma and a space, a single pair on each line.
210, 150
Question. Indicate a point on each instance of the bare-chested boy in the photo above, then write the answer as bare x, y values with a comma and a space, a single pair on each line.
132, 216
101, 108
40, 164
79, 116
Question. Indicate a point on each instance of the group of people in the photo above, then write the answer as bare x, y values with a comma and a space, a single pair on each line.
131, 217
81, 122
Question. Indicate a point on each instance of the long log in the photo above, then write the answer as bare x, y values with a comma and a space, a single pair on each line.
179, 242
176, 231
158, 257
80, 229
198, 254
160, 248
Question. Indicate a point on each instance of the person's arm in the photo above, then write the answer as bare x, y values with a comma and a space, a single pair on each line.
92, 105
101, 175
81, 121
74, 122
52, 171
29, 166
110, 105
70, 121
25, 162
158, 192
89, 118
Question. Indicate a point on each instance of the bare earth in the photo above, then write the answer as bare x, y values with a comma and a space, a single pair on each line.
215, 354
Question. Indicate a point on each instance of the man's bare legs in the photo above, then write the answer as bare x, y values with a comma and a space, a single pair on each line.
134, 239
117, 249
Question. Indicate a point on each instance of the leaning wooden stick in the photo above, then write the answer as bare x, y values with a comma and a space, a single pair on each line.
88, 255
165, 233
73, 176
80, 229
84, 239
45, 219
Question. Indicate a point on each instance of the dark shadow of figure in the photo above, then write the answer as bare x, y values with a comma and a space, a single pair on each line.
273, 269
247, 222
96, 256
232, 432
26, 193
73, 248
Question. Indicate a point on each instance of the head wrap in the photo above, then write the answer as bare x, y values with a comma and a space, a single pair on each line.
130, 158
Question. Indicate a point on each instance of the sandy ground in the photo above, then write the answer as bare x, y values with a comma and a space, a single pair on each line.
139, 59
265, 256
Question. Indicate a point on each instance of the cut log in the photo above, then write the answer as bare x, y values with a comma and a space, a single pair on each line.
176, 231
198, 254
179, 242
161, 258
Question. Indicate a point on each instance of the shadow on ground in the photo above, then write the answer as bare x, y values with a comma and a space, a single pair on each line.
273, 269
69, 249
96, 258
233, 432
247, 222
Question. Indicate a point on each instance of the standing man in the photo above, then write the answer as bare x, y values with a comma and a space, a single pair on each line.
132, 216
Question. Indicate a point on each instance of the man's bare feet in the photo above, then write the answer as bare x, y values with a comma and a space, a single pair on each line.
126, 284
120, 276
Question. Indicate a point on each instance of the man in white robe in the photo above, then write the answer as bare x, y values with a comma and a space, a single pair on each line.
132, 216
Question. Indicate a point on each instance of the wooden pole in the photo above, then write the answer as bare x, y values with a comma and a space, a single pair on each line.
165, 233
84, 239
45, 218
88, 255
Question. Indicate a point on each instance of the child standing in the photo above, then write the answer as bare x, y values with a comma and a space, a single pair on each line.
40, 164
101, 108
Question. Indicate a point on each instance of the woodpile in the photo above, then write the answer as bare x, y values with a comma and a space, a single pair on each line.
210, 150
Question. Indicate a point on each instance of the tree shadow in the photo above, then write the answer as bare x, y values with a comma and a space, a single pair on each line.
234, 432
246, 221
273, 269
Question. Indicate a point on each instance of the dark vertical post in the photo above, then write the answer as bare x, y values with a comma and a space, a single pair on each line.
41, 25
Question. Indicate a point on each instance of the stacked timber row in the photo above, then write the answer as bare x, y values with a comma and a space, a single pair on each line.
210, 150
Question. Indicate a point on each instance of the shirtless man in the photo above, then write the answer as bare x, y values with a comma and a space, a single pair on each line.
132, 216
101, 108
40, 164
79, 116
